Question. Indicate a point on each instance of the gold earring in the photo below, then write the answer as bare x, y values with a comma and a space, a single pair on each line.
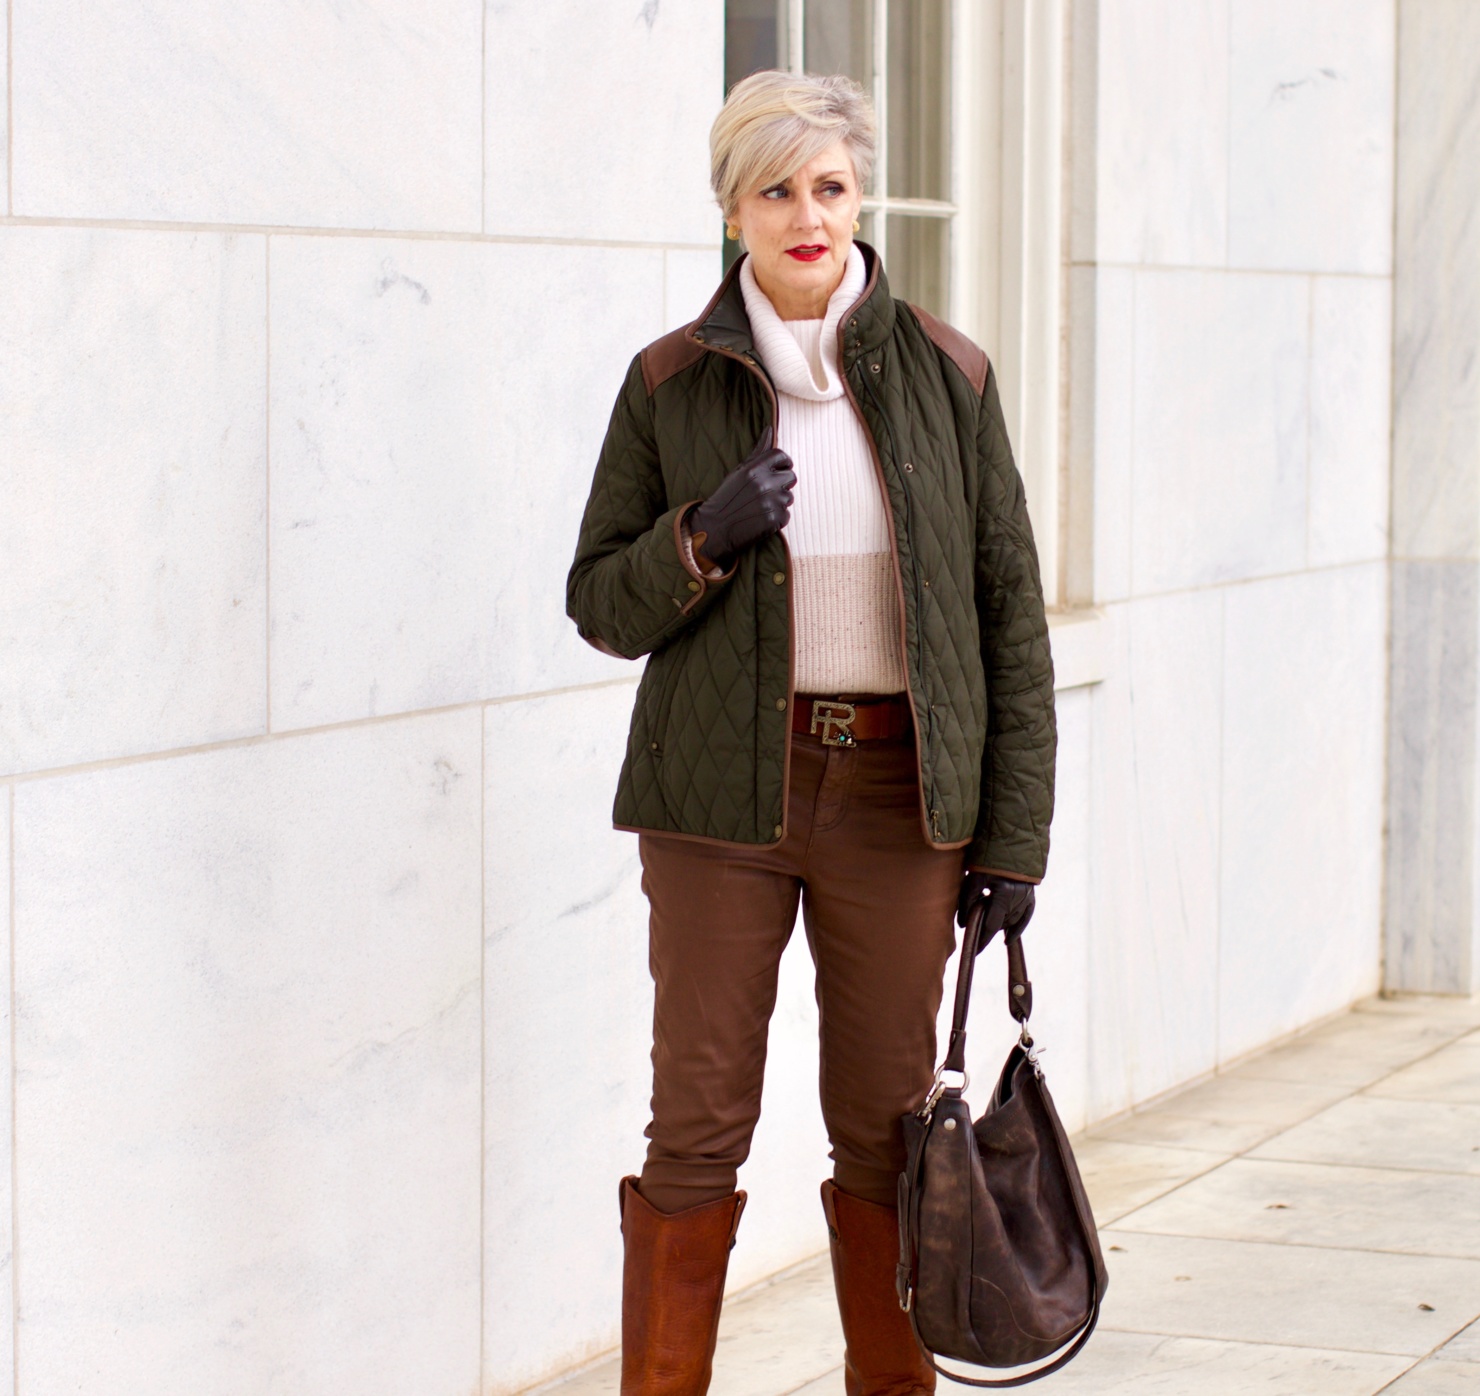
856, 225
732, 232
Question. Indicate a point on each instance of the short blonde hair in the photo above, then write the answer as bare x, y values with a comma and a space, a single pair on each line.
773, 123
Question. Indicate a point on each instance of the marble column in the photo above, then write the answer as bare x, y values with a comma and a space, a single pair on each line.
1433, 869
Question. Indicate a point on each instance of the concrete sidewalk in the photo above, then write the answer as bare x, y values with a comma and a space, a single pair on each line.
1306, 1224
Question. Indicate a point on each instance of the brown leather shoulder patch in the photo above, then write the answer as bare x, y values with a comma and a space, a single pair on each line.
665, 357
971, 360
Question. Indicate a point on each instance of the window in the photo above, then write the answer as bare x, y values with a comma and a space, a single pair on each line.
966, 200
900, 51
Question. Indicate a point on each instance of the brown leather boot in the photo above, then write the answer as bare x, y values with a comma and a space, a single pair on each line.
882, 1358
673, 1279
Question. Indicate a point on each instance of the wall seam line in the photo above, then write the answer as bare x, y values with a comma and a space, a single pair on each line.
15, 1345
1222, 800
267, 483
483, 138
1310, 401
9, 106
293, 733
482, 1044
158, 225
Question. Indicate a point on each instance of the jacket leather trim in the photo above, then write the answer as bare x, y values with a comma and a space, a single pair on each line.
667, 356
971, 360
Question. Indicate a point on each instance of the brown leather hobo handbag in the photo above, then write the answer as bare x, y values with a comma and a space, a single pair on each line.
999, 1259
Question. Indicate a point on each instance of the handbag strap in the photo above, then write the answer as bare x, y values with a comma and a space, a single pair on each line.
1019, 987
1068, 1355
1020, 1005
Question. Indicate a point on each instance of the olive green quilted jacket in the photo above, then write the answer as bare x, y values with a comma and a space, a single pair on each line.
709, 746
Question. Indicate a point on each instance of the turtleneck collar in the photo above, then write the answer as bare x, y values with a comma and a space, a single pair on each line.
778, 348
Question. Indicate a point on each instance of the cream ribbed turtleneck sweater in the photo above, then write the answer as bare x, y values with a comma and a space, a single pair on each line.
844, 606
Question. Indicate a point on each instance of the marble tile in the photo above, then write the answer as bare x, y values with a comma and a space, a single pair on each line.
1436, 300
1224, 1115
1310, 1204
274, 113
436, 417
1435, 1378
567, 1080
1432, 919
7, 1119
1148, 1364
247, 1068
1301, 888
1449, 1012
1154, 855
1303, 1296
1163, 132
1353, 1050
1450, 1076
132, 595
1122, 1177
767, 1346
621, 97
1376, 1133
1058, 955
833, 1384
1463, 1347
1101, 312
5, 113
689, 280
1310, 140
1220, 427
1350, 430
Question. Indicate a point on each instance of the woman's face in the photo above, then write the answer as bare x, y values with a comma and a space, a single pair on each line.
798, 233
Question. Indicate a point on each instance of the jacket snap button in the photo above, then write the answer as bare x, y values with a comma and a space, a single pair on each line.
693, 586
778, 831
873, 368
655, 746
781, 705
927, 581
908, 468
778, 577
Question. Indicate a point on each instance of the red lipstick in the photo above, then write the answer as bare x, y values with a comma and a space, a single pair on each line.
807, 252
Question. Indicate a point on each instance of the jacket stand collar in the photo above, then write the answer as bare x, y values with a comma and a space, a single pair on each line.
867, 324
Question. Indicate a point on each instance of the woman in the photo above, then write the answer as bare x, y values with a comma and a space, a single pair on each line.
807, 516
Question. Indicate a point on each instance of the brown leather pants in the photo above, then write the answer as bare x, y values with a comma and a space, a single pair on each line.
878, 904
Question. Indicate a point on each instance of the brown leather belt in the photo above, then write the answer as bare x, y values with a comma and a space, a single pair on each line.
841, 722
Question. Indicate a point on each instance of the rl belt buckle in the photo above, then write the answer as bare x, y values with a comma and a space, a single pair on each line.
827, 715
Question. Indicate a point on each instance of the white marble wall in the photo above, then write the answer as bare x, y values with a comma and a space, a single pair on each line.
330, 990
1230, 332
310, 324
1433, 907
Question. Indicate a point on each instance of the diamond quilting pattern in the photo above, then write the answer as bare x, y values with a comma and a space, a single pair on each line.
707, 749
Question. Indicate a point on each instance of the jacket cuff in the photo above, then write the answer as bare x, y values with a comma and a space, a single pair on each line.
700, 580
1002, 857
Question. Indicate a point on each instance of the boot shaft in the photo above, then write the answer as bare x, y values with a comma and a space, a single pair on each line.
673, 1283
883, 1358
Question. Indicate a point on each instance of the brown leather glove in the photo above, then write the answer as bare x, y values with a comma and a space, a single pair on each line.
1009, 904
752, 502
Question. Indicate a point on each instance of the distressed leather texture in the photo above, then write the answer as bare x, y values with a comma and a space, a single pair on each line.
673, 1283
1007, 1267
707, 749
881, 1357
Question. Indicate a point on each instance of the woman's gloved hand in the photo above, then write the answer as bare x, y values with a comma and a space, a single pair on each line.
752, 502
1009, 904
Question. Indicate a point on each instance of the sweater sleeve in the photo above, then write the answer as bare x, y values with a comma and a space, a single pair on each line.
633, 584
1018, 763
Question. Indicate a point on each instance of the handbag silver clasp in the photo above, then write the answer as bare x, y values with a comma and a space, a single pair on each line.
938, 1088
